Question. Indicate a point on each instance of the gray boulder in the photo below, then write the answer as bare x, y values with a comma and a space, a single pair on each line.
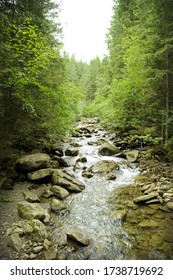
33, 162
31, 211
59, 192
107, 149
104, 166
66, 181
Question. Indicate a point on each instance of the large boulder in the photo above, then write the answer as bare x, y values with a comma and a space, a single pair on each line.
36, 230
40, 174
59, 192
104, 166
66, 181
31, 211
33, 162
107, 149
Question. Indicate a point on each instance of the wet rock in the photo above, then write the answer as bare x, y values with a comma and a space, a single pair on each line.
148, 224
78, 237
33, 162
87, 174
82, 159
145, 198
36, 230
30, 196
107, 149
71, 152
59, 192
132, 156
111, 176
14, 241
57, 205
66, 181
104, 166
31, 211
61, 161
40, 174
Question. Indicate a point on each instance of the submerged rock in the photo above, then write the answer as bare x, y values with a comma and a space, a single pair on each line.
71, 152
33, 162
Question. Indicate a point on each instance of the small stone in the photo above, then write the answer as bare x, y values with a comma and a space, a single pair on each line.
59, 192
14, 241
32, 256
37, 249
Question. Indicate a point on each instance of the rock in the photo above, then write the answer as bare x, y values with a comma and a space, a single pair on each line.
37, 249
59, 192
87, 174
104, 166
66, 181
82, 159
51, 254
144, 198
37, 230
111, 176
71, 152
33, 162
31, 211
40, 174
30, 196
46, 193
14, 241
132, 156
120, 215
78, 237
7, 184
46, 244
148, 224
108, 149
170, 205
57, 205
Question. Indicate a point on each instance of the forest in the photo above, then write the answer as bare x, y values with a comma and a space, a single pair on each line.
44, 91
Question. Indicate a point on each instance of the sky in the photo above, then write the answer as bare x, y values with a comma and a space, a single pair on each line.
85, 24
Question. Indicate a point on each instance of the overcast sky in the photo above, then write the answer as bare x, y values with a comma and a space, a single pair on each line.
85, 24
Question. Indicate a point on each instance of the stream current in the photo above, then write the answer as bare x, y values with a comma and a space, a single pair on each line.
90, 211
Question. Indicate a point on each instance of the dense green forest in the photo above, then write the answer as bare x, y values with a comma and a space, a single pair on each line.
130, 90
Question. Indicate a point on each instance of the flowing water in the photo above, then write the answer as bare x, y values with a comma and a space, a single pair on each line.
94, 211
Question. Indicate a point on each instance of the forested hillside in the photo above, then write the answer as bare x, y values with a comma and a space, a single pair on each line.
134, 89
36, 97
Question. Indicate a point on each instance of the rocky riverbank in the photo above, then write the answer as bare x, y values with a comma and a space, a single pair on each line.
35, 188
